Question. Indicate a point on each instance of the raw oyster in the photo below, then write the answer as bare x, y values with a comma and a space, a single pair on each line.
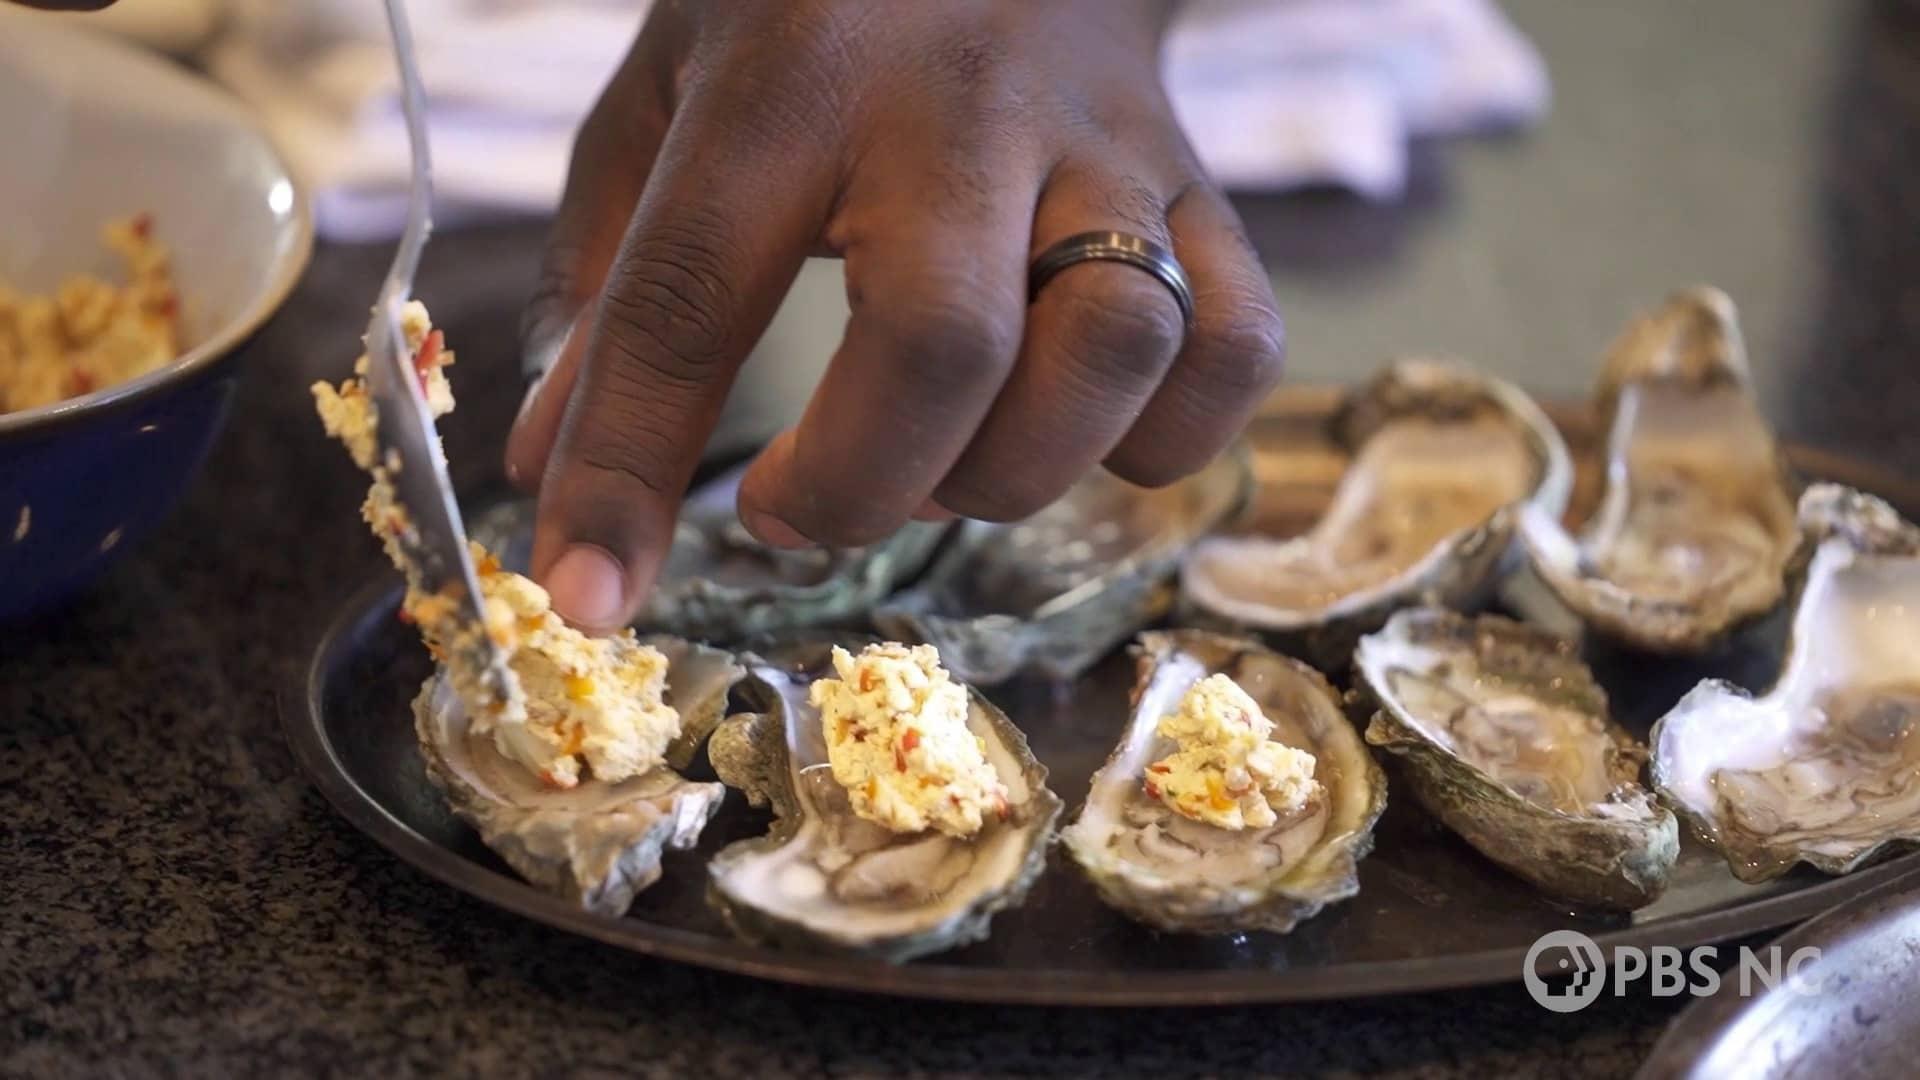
597, 844
720, 584
1441, 458
1177, 874
1504, 735
1825, 768
1058, 591
826, 879
1695, 527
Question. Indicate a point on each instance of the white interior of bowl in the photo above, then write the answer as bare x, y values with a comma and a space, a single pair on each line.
93, 130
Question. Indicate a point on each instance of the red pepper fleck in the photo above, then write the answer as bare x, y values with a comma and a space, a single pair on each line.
899, 761
405, 616
167, 305
1152, 791
1156, 767
1000, 807
142, 225
428, 357
910, 740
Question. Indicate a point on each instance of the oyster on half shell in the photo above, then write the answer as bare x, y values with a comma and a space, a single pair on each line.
1442, 458
1825, 768
1503, 734
1695, 527
1059, 590
826, 879
720, 584
1174, 873
597, 844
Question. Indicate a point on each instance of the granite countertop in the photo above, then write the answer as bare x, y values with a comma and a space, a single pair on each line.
175, 898
178, 898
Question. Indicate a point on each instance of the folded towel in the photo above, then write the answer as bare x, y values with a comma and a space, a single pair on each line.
1274, 94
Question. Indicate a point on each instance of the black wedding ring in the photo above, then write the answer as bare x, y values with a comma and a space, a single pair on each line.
1109, 246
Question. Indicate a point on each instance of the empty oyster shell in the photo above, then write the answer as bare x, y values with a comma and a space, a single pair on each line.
1504, 735
597, 844
1176, 874
720, 584
1059, 590
1825, 768
1442, 457
1695, 527
826, 879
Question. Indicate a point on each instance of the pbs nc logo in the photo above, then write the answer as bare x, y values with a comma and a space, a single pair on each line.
1570, 954
1565, 971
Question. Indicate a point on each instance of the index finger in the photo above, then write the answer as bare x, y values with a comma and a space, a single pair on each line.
709, 254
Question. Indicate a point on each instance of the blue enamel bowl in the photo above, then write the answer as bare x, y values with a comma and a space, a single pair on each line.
93, 130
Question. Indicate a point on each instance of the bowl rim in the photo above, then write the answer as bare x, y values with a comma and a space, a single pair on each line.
284, 272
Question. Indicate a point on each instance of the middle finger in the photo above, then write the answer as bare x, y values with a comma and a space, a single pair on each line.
935, 268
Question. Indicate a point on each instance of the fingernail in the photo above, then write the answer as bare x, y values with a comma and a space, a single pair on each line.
587, 587
773, 532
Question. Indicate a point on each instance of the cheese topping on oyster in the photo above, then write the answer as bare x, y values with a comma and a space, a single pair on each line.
586, 704
897, 740
597, 702
1228, 772
1173, 872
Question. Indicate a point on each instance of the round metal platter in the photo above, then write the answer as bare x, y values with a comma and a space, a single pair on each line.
1850, 1011
1431, 912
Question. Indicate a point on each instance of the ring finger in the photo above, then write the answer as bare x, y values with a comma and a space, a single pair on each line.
1100, 337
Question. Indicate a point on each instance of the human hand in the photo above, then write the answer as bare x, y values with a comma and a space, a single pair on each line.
936, 148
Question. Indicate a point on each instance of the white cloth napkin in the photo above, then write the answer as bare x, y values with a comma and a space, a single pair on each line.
1274, 94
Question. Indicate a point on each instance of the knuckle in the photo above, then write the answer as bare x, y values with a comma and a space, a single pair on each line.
1242, 353
783, 71
971, 67
1123, 328
972, 60
668, 299
950, 335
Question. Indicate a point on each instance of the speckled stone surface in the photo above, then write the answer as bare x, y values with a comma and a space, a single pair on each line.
175, 899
